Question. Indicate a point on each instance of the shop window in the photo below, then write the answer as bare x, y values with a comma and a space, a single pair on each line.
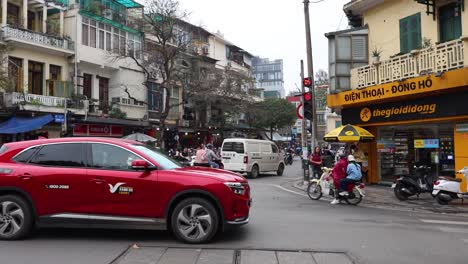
410, 33
402, 148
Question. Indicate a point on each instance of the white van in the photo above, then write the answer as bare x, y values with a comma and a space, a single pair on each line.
252, 156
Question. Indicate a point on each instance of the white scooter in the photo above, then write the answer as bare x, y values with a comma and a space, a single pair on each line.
447, 188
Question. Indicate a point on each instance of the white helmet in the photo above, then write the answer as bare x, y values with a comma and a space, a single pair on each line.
351, 158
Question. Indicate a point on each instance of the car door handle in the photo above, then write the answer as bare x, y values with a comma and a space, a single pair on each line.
98, 180
25, 176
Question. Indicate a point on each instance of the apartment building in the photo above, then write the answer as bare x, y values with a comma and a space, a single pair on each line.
37, 66
411, 94
269, 76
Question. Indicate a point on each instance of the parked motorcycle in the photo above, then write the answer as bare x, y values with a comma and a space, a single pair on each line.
325, 184
420, 182
288, 158
447, 188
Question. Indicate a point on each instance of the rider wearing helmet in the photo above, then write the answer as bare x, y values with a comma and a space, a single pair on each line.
354, 174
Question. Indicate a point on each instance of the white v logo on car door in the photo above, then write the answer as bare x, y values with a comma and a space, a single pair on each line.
114, 188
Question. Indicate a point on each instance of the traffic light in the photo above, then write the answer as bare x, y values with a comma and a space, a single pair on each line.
308, 106
307, 82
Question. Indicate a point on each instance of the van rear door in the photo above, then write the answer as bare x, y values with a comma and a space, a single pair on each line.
233, 156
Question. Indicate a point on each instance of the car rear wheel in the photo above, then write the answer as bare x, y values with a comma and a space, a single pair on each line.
280, 170
254, 172
16, 219
194, 220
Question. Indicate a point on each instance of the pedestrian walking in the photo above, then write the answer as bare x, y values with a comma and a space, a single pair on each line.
316, 163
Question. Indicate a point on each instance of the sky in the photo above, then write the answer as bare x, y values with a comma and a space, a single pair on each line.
272, 29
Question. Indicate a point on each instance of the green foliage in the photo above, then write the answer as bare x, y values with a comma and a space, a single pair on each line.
272, 113
115, 112
36, 102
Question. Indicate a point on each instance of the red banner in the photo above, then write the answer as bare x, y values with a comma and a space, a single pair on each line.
97, 130
80, 130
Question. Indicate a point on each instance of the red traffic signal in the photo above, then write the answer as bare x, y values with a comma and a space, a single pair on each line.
308, 106
307, 82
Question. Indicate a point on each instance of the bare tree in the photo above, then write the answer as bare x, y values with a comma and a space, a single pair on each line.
167, 38
164, 61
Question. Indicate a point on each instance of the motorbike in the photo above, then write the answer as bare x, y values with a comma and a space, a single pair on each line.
325, 184
288, 158
414, 184
448, 188
207, 165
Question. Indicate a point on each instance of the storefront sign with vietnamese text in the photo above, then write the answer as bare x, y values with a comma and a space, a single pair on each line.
97, 130
419, 85
446, 105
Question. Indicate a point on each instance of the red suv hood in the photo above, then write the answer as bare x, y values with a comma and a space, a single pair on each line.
223, 175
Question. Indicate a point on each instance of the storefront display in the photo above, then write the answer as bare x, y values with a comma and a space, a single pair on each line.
401, 148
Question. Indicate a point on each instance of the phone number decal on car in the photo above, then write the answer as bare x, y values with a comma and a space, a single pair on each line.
55, 186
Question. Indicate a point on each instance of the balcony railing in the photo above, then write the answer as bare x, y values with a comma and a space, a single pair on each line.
36, 37
443, 57
44, 100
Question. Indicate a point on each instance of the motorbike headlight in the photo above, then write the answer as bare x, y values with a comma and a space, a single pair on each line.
236, 187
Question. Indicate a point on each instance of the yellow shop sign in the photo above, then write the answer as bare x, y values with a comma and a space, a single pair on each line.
419, 85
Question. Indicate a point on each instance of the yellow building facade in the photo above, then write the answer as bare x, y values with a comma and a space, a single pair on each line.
413, 93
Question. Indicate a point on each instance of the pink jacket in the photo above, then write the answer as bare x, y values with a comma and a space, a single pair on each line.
339, 171
200, 157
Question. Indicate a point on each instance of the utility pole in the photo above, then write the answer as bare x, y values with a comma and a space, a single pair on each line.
305, 159
310, 70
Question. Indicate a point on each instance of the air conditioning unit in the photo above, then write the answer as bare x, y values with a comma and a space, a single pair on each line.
206, 50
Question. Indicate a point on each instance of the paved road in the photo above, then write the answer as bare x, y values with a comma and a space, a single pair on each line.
282, 219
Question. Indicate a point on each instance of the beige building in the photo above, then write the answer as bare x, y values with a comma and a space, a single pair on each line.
412, 94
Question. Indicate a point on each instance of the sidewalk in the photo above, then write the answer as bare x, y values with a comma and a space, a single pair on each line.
383, 197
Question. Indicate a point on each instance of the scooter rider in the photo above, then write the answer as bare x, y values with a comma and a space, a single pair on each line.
354, 174
211, 156
339, 173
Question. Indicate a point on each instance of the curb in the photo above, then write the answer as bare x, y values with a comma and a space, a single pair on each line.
389, 206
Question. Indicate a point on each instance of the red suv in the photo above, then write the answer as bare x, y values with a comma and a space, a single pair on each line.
114, 183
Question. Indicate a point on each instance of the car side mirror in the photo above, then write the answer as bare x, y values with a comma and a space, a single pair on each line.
142, 165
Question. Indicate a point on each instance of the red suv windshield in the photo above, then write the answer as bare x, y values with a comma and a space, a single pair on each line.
163, 161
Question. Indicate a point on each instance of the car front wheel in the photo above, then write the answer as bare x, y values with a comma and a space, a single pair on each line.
16, 219
194, 220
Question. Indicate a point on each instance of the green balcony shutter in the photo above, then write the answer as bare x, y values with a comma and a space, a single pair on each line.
404, 36
415, 29
410, 33
450, 22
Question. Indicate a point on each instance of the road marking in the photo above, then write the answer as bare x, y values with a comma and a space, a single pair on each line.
287, 190
430, 221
